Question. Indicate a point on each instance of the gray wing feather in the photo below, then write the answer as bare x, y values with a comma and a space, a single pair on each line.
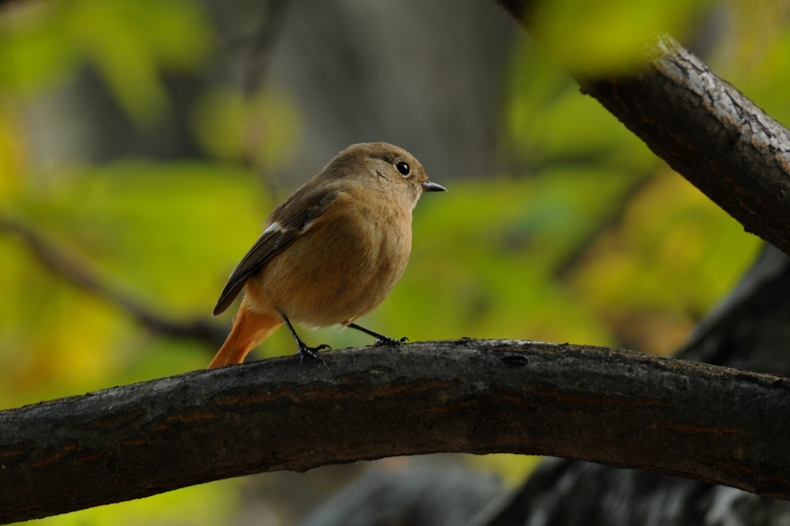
267, 245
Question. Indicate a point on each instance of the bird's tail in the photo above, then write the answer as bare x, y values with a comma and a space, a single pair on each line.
249, 329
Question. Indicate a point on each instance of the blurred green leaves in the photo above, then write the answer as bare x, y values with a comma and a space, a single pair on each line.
590, 227
163, 234
166, 235
262, 129
153, 222
609, 36
590, 238
129, 42
673, 251
483, 256
547, 119
589, 233
660, 253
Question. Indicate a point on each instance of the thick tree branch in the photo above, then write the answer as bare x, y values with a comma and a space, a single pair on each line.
615, 407
706, 130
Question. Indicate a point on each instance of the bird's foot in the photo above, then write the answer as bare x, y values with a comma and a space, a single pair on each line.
386, 340
303, 350
380, 338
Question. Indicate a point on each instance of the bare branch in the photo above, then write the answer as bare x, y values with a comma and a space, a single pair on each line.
82, 273
616, 407
706, 130
607, 224
258, 131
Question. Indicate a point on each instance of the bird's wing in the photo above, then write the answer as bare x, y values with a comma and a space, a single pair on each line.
287, 222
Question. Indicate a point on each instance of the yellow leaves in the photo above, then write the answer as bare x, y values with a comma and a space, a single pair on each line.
13, 151
54, 339
164, 235
674, 255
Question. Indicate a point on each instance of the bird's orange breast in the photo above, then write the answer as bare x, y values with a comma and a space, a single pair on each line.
341, 267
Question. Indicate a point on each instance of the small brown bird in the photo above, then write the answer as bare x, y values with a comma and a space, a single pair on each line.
330, 253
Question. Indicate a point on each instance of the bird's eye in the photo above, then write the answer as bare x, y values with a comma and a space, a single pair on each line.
403, 168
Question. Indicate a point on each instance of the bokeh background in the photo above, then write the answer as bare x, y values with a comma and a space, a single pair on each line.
142, 143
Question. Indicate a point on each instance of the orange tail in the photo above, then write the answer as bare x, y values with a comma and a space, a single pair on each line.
249, 329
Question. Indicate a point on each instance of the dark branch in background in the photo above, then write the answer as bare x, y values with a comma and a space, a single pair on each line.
262, 49
607, 224
80, 272
610, 406
750, 328
705, 129
258, 66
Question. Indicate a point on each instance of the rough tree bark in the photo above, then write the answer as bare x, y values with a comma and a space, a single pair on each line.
622, 408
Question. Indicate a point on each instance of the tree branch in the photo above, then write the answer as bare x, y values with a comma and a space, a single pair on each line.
616, 407
80, 272
257, 132
705, 129
607, 224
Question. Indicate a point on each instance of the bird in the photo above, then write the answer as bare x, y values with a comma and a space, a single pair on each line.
330, 252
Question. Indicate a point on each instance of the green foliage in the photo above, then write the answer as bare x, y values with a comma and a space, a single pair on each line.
264, 129
483, 255
547, 119
663, 253
674, 252
166, 235
590, 240
127, 41
609, 36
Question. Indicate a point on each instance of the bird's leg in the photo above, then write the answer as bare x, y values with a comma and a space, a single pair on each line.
302, 348
380, 338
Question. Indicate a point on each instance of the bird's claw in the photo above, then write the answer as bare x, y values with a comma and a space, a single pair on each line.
386, 340
303, 350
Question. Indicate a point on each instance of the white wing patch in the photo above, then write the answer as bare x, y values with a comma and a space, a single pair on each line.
271, 228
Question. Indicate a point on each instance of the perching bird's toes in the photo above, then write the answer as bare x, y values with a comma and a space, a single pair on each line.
303, 350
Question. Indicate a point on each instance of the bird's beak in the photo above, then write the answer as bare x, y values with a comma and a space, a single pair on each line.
428, 186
